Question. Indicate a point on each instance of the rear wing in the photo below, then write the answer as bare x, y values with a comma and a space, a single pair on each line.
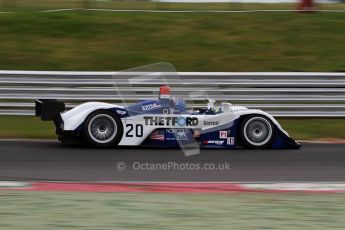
48, 109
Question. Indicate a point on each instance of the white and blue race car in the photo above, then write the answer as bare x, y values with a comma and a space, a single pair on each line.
165, 122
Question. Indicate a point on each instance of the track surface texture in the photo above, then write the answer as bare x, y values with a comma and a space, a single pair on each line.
53, 161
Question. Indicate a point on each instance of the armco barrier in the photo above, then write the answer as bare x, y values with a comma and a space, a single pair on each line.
282, 94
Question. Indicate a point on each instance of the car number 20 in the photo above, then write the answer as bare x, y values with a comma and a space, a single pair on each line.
134, 130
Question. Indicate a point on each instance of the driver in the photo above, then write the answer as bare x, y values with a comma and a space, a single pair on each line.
177, 102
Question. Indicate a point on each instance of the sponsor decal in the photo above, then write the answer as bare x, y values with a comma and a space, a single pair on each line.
196, 133
178, 101
171, 121
157, 135
150, 106
230, 141
179, 134
127, 120
223, 134
121, 112
174, 131
211, 123
214, 142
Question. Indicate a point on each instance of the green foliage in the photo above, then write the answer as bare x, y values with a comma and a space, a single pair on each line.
280, 41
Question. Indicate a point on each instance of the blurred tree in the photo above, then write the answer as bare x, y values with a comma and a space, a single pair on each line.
8, 3
86, 4
162, 5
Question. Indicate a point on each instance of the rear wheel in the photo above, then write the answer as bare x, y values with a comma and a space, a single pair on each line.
103, 129
257, 132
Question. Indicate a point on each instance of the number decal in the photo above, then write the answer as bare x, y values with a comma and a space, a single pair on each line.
128, 133
139, 130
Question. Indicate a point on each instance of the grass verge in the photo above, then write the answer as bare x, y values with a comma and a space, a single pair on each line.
261, 41
305, 129
51, 210
314, 128
36, 5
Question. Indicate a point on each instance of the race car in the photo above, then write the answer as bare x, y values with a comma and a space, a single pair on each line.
166, 121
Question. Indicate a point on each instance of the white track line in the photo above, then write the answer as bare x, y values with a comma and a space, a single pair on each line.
14, 184
259, 186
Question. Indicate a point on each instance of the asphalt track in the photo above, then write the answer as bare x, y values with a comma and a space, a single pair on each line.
52, 161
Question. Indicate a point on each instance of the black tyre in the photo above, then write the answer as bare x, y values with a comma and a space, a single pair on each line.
102, 129
256, 132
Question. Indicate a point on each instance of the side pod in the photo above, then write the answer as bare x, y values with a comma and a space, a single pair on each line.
48, 109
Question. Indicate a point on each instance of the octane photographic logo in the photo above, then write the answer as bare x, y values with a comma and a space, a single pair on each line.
163, 74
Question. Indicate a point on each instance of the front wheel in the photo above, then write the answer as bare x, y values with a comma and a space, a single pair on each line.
256, 132
102, 129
